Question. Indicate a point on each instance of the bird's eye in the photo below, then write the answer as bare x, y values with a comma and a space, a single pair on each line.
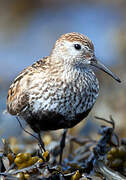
77, 46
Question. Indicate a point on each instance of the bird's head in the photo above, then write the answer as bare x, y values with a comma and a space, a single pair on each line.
78, 50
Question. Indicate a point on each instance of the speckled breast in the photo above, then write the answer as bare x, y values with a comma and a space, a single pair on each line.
63, 105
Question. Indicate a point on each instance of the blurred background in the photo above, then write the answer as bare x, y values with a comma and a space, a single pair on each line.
28, 31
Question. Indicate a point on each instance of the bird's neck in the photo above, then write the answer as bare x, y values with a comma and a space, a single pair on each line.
76, 73
69, 72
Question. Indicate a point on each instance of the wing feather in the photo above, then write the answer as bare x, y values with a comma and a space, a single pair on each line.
18, 97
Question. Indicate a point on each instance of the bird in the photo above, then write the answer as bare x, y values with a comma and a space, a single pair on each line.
58, 91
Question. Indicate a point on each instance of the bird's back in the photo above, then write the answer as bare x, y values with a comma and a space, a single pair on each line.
18, 94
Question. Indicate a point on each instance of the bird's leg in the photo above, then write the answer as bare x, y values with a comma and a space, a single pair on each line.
24, 128
39, 139
45, 157
41, 142
62, 144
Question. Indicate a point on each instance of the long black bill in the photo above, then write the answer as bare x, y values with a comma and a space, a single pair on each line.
99, 65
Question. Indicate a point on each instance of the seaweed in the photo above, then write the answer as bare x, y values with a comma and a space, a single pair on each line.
90, 159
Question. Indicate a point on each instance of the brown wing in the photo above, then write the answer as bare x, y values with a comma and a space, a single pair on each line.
18, 97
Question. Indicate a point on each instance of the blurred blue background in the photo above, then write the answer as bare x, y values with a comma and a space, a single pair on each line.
32, 35
29, 29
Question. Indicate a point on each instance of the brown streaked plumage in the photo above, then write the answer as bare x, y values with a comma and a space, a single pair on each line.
77, 37
60, 90
18, 97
